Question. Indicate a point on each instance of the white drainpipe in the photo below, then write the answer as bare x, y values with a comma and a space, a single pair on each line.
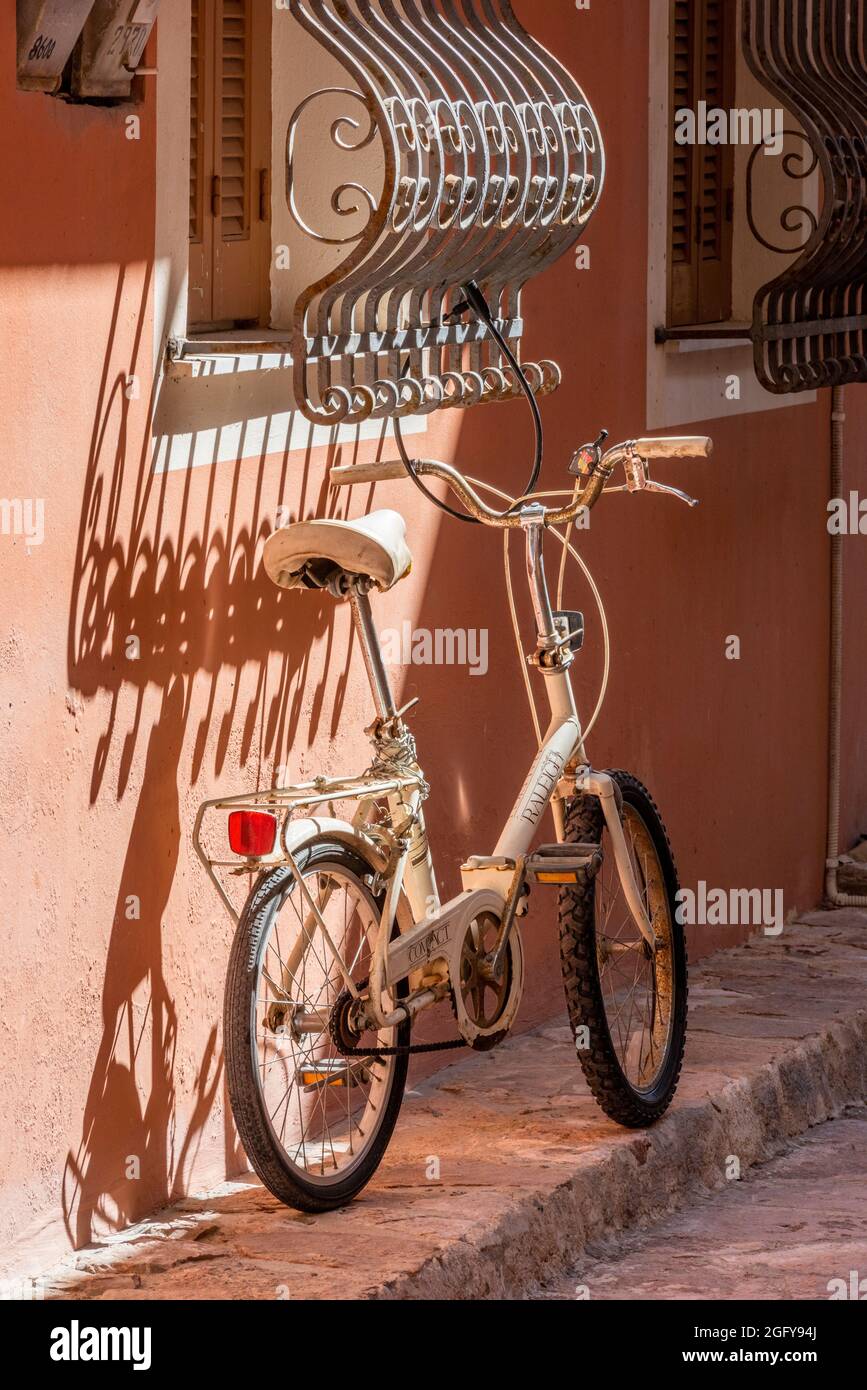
832, 863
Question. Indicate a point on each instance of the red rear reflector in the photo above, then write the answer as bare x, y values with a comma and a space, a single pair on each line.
252, 833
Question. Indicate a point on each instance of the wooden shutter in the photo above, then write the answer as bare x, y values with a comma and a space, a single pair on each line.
235, 120
201, 242
682, 96
196, 130
701, 180
229, 162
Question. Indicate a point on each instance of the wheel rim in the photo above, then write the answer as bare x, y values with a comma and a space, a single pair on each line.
637, 988
324, 1110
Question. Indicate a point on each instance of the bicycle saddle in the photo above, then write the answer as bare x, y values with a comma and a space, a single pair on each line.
312, 554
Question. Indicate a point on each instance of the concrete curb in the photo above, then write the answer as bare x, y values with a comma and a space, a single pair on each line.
639, 1182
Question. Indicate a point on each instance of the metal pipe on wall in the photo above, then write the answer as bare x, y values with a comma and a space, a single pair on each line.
832, 863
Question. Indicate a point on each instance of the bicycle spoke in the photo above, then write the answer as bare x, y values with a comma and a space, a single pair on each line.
638, 1019
301, 1073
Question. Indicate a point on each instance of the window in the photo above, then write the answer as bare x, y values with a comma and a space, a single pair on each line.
229, 163
702, 64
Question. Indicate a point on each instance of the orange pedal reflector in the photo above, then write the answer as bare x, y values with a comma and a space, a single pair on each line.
322, 1078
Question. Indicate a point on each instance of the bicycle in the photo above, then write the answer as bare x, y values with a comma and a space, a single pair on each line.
343, 939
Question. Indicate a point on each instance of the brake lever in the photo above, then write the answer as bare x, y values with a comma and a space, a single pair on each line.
638, 479
651, 486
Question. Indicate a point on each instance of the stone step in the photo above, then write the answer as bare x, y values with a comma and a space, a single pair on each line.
502, 1168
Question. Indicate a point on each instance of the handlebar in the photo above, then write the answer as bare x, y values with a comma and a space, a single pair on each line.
697, 446
589, 487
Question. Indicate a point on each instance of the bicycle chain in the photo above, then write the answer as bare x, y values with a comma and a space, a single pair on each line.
408, 1049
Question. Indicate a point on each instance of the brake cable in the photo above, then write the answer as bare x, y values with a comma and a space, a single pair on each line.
476, 301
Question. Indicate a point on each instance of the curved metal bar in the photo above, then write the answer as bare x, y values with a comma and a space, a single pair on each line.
810, 322
795, 210
493, 164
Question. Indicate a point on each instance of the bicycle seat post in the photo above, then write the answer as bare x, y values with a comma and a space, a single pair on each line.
377, 674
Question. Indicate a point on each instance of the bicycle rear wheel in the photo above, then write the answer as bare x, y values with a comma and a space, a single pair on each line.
627, 1007
314, 1124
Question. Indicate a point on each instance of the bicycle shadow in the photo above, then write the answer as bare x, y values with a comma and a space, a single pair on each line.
206, 671
205, 666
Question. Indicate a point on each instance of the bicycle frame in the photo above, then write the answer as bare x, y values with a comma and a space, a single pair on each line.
432, 934
559, 769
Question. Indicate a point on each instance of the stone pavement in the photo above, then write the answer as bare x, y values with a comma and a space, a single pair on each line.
795, 1228
502, 1171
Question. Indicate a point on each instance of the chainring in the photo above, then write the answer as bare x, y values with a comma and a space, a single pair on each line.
485, 1007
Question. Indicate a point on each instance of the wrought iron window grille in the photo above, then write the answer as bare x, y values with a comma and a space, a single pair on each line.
492, 167
810, 323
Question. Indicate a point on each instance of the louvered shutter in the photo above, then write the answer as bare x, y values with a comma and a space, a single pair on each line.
234, 119
229, 160
682, 297
201, 306
702, 69
197, 128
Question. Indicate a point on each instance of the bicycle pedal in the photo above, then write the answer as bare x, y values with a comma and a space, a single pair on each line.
563, 864
332, 1071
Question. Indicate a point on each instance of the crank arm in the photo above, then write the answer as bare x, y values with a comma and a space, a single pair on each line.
515, 892
601, 785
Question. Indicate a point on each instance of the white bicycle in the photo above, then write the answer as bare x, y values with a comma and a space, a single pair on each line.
343, 939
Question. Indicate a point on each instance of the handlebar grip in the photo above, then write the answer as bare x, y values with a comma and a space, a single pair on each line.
697, 446
346, 474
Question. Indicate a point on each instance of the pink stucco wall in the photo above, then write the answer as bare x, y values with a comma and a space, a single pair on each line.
110, 1025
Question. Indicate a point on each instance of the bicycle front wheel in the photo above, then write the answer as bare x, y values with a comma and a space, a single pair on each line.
627, 1005
314, 1124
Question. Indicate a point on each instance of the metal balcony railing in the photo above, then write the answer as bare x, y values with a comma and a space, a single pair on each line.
492, 166
810, 323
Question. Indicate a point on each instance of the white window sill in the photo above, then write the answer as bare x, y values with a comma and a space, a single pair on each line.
219, 406
223, 354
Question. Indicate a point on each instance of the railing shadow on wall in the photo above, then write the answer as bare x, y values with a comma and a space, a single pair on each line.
166, 563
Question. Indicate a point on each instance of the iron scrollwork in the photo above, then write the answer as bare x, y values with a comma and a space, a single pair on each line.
794, 218
810, 322
342, 142
492, 165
